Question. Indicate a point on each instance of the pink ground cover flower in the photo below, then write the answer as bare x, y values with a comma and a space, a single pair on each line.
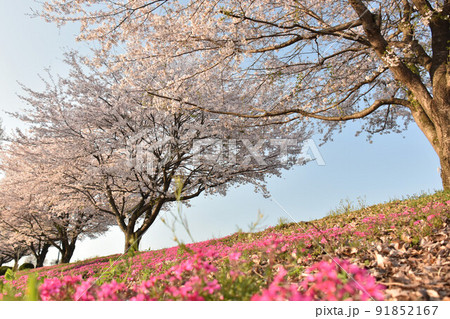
192, 279
50, 288
340, 280
84, 291
277, 292
360, 234
234, 256
88, 291
280, 291
58, 289
110, 291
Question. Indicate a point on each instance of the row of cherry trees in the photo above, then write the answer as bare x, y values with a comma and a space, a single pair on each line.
100, 151
35, 215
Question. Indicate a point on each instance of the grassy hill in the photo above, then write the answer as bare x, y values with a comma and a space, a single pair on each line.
392, 251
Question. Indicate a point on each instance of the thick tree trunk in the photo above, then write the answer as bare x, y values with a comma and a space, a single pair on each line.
441, 118
40, 256
16, 264
444, 151
132, 241
437, 130
132, 237
440, 78
40, 252
445, 173
67, 253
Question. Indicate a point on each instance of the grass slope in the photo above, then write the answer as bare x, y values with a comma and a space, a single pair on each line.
402, 245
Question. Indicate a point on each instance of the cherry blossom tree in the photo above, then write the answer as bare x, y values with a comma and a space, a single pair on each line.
14, 224
11, 234
13, 246
330, 61
133, 156
4, 258
18, 248
38, 208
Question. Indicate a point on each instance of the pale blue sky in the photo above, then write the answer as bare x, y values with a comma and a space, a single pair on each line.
393, 166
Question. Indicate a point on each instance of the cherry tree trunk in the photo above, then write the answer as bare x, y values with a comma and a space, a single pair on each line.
442, 118
16, 264
444, 155
132, 241
40, 256
436, 128
445, 173
67, 253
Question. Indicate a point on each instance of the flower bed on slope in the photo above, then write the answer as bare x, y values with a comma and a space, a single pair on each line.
394, 251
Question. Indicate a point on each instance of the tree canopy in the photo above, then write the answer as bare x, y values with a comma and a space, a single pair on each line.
333, 61
101, 150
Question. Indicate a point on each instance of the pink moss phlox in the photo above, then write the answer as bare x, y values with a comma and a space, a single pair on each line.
84, 291
234, 256
340, 280
56, 289
279, 291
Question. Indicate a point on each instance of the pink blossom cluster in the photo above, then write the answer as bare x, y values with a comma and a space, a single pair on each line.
340, 280
88, 291
192, 279
74, 288
280, 290
331, 281
189, 280
53, 289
